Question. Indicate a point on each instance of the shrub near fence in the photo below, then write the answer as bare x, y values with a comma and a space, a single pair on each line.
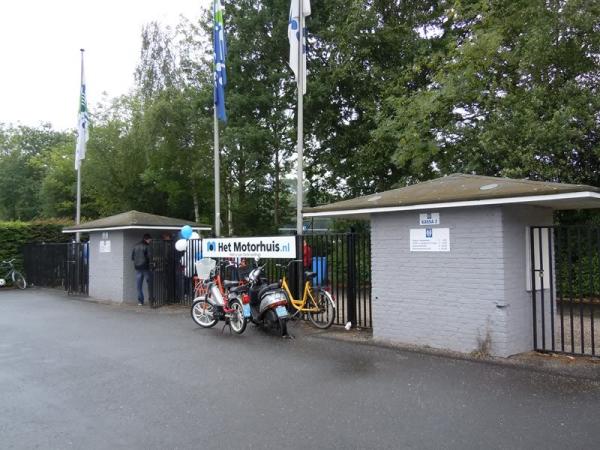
15, 235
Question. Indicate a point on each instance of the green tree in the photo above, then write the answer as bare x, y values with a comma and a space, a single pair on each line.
513, 94
257, 142
20, 173
58, 190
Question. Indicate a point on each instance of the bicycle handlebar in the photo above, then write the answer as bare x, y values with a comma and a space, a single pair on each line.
282, 266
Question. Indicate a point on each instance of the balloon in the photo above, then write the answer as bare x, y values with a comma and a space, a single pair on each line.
195, 235
181, 245
186, 231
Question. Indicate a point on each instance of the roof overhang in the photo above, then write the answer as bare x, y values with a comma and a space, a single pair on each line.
134, 227
572, 200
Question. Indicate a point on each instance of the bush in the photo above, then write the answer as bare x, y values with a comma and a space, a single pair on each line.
14, 236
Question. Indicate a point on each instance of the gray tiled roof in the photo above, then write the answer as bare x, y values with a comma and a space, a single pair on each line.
454, 188
134, 218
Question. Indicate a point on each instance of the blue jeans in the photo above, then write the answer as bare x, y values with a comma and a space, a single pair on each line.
139, 280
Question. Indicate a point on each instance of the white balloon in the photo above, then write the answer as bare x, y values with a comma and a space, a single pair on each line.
181, 245
195, 235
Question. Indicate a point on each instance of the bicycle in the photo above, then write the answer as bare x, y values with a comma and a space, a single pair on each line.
316, 302
18, 280
213, 302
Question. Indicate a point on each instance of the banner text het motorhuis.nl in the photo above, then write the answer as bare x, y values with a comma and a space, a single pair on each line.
250, 247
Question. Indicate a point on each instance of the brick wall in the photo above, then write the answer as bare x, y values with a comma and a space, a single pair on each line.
453, 300
112, 275
518, 311
106, 269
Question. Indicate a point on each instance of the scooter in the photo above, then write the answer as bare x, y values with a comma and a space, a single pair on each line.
268, 302
219, 303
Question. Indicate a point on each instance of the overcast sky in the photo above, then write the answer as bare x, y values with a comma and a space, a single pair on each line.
40, 58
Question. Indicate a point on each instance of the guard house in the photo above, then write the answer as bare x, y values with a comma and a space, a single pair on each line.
111, 272
450, 258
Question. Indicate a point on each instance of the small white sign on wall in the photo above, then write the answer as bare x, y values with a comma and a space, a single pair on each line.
429, 219
430, 239
104, 246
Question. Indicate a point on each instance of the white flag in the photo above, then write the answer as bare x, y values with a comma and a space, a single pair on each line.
294, 38
82, 124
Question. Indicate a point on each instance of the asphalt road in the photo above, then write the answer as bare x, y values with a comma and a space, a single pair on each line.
77, 374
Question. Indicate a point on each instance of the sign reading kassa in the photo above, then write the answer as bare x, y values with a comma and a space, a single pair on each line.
251, 247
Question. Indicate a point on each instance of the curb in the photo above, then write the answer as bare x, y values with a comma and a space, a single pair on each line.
582, 368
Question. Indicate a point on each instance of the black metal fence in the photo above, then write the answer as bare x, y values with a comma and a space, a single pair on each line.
62, 265
173, 272
342, 263
565, 286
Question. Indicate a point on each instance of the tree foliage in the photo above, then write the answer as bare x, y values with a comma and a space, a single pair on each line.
398, 92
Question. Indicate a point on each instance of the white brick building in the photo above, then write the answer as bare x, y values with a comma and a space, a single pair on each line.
112, 276
450, 258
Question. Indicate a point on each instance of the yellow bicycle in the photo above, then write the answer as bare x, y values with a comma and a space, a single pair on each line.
316, 302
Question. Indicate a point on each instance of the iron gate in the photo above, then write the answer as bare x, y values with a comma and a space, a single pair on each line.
565, 288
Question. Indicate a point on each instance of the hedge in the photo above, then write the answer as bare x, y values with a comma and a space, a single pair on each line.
14, 236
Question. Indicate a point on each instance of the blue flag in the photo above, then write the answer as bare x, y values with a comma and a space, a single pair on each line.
220, 55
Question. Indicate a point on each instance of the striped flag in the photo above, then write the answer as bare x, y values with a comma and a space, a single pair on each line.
294, 38
220, 55
82, 124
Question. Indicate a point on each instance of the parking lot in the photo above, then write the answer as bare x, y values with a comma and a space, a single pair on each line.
80, 374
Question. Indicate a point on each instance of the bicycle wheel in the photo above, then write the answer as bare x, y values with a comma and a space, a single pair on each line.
19, 280
326, 315
203, 313
237, 321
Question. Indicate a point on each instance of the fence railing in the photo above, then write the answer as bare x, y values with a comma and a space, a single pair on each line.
62, 265
565, 287
342, 263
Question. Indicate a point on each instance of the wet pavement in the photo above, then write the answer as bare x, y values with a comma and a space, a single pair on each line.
79, 374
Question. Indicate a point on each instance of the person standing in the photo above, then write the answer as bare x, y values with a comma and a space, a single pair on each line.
141, 256
306, 255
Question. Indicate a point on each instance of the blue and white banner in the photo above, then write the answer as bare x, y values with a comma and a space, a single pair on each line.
220, 51
296, 20
250, 247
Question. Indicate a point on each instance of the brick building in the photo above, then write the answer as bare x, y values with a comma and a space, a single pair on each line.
450, 258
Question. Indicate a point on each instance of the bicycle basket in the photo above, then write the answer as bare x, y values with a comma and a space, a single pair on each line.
204, 267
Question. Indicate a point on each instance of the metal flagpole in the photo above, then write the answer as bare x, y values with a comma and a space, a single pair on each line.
300, 144
217, 177
78, 213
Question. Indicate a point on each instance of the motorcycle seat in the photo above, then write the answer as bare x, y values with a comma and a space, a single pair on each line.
269, 287
310, 275
240, 288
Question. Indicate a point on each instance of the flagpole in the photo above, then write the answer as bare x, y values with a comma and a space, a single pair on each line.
300, 144
78, 209
217, 176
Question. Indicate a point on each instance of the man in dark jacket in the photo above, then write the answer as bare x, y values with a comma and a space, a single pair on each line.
141, 256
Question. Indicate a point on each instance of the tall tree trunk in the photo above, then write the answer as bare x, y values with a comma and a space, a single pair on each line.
195, 201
